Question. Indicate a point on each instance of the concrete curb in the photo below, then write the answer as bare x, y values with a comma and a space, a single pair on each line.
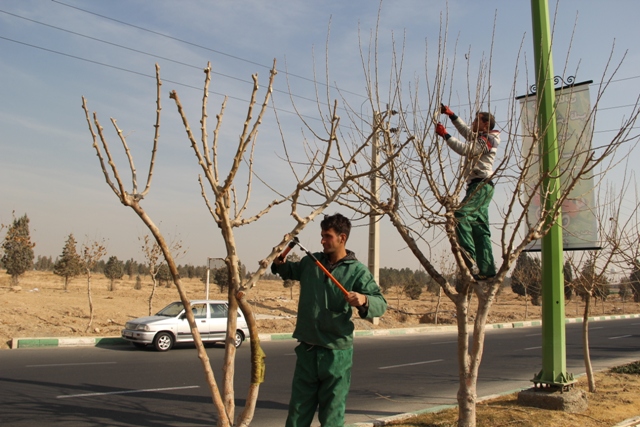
48, 342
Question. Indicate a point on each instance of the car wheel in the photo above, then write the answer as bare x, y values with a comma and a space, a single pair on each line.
237, 340
139, 344
163, 341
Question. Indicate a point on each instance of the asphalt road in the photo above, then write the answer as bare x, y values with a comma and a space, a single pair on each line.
123, 386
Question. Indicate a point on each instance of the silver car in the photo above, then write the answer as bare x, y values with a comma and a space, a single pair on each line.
170, 325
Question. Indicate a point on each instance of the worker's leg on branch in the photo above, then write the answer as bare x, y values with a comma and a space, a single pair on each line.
472, 229
482, 239
334, 369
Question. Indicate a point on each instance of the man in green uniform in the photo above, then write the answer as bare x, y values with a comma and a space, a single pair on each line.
324, 328
472, 230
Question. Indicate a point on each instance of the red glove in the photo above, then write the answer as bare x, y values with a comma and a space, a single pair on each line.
444, 109
441, 130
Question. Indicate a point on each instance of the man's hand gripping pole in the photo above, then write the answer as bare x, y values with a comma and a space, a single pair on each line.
290, 246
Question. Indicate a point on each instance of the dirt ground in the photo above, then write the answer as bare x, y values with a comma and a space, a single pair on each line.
617, 398
40, 307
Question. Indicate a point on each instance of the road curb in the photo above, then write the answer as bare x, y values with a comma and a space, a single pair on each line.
48, 342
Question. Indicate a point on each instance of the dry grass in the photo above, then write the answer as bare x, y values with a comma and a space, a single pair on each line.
617, 398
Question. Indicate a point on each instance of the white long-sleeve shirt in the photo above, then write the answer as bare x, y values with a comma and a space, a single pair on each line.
481, 148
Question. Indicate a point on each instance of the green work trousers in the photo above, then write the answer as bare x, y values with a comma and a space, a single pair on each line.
472, 229
321, 379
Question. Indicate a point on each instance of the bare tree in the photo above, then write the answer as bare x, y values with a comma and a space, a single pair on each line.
91, 254
421, 189
228, 210
617, 228
154, 259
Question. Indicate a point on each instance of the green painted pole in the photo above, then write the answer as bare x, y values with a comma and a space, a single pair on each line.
554, 358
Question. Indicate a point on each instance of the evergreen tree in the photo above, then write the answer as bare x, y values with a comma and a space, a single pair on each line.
43, 263
526, 279
69, 265
634, 280
164, 275
568, 278
113, 270
130, 266
18, 249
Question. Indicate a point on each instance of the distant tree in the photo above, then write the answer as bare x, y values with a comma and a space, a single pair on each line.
164, 275
221, 277
526, 279
386, 278
18, 249
91, 255
69, 264
113, 270
142, 269
591, 284
290, 284
43, 263
130, 267
413, 287
568, 279
634, 280
138, 284
625, 290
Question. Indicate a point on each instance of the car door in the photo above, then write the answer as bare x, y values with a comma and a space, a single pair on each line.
202, 321
218, 321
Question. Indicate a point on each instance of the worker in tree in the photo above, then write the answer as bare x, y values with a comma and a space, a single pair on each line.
472, 228
324, 327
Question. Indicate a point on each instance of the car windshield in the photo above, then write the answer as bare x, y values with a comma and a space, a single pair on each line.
172, 310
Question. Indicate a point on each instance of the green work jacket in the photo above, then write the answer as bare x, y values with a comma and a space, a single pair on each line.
324, 317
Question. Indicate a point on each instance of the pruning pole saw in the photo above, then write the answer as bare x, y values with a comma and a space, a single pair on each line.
295, 241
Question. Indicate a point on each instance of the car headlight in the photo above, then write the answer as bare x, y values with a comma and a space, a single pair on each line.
143, 327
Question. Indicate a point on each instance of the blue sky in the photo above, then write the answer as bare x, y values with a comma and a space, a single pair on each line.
55, 52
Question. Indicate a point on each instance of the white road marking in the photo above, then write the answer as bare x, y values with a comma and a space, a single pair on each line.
66, 396
533, 348
411, 364
71, 364
533, 335
621, 336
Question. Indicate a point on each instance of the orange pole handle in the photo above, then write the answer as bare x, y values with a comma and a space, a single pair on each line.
330, 276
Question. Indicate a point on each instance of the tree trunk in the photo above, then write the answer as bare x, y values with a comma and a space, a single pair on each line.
66, 283
223, 418
153, 291
90, 301
467, 383
438, 305
585, 345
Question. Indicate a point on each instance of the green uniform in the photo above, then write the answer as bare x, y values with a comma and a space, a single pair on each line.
472, 230
324, 328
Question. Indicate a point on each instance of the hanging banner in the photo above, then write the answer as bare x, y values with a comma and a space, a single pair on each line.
573, 108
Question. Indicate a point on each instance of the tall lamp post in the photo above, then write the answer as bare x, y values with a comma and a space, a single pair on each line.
554, 363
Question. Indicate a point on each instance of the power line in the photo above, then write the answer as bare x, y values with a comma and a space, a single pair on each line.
145, 53
126, 70
199, 46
